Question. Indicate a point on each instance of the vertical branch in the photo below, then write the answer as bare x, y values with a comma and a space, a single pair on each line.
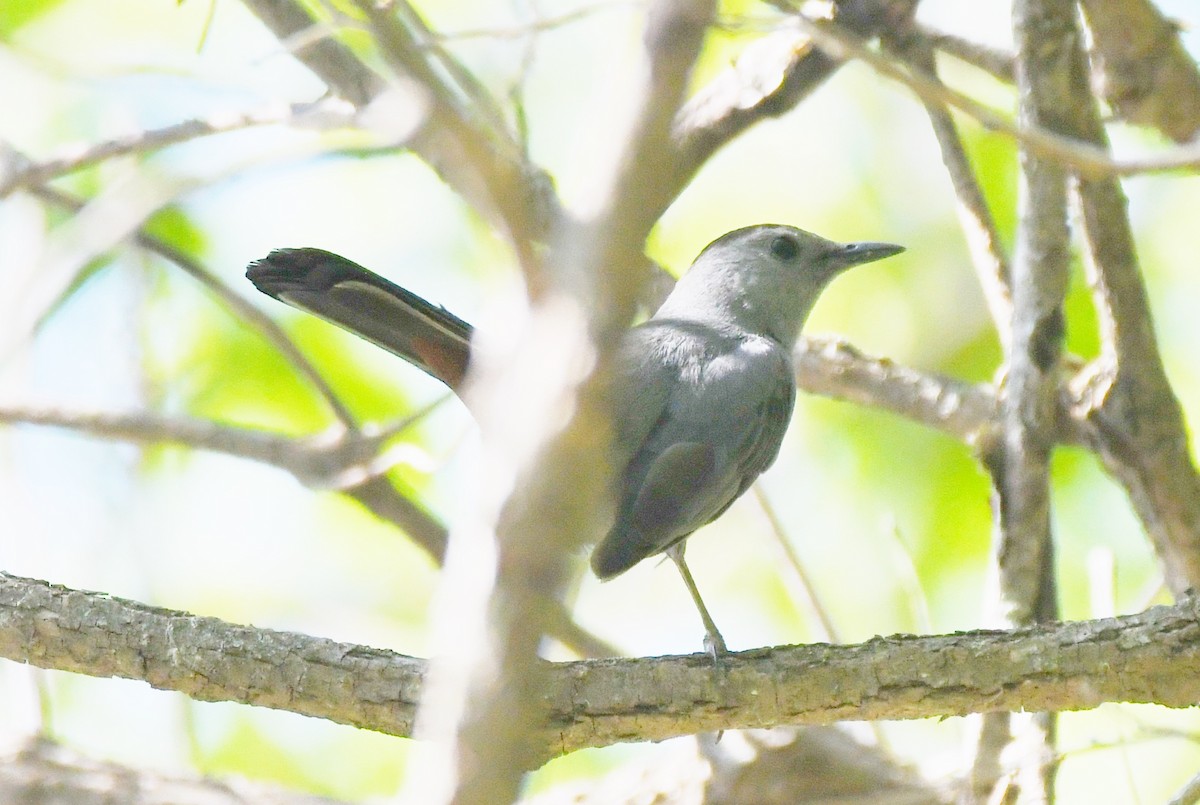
1045, 33
1137, 425
543, 414
1047, 37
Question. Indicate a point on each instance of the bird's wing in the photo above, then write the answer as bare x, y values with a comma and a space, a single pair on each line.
725, 407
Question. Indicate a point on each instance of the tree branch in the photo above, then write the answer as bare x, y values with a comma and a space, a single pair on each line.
833, 368
1045, 33
974, 216
998, 63
330, 60
236, 303
1141, 68
28, 174
1134, 421
1147, 657
771, 77
483, 164
349, 462
40, 772
544, 417
1078, 155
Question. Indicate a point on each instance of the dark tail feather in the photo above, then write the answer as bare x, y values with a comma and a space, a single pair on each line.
344, 293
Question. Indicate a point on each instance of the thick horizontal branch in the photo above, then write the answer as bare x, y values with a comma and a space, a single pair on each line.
1148, 657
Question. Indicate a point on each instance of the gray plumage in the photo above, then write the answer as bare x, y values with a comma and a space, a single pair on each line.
705, 388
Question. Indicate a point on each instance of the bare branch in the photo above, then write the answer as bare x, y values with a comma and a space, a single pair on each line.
548, 491
1141, 437
771, 78
1134, 421
1078, 155
1190, 793
330, 60
464, 136
995, 62
1046, 38
978, 225
349, 462
234, 301
326, 461
30, 174
480, 161
39, 766
833, 368
1141, 68
378, 495
1147, 657
1045, 32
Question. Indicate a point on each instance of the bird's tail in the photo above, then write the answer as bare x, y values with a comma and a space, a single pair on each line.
344, 293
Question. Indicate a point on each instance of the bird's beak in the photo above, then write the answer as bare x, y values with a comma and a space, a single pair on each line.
853, 254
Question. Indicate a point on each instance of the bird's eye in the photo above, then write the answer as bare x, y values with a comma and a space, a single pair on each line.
784, 247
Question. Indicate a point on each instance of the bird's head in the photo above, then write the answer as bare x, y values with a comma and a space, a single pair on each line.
765, 278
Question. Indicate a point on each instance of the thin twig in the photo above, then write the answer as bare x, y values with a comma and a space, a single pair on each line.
78, 157
1080, 156
479, 99
824, 627
978, 224
324, 461
997, 63
241, 308
469, 145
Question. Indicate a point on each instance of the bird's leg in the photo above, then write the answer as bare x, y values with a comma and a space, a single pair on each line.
713, 642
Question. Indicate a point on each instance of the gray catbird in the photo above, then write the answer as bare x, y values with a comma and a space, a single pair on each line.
702, 393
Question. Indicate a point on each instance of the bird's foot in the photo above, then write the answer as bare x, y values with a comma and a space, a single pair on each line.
714, 644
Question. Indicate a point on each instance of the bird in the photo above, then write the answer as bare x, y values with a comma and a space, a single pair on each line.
702, 391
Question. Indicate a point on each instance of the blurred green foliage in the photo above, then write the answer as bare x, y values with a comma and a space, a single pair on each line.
16, 14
